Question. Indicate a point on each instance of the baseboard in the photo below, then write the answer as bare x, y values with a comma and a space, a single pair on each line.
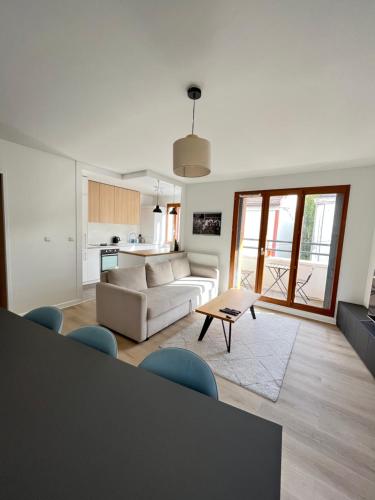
70, 303
296, 312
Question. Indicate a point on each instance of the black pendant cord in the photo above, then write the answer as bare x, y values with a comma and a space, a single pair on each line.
192, 125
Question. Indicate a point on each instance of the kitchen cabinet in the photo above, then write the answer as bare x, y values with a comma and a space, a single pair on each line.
106, 203
93, 201
127, 206
113, 204
121, 205
134, 207
93, 265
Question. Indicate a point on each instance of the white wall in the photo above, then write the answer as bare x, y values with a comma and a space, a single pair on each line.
219, 197
40, 201
103, 233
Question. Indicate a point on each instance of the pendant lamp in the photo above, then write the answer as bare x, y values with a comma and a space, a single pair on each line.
192, 154
157, 209
173, 210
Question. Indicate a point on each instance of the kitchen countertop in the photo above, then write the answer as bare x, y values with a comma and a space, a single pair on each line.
127, 246
150, 253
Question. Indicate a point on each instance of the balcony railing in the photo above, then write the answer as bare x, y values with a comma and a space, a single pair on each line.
313, 258
273, 246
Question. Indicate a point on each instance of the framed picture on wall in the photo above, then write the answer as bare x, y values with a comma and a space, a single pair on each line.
207, 223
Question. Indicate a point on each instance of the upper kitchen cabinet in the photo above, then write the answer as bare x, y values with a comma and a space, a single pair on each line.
106, 203
94, 203
112, 204
127, 206
134, 207
121, 206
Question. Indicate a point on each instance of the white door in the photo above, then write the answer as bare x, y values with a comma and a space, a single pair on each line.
41, 207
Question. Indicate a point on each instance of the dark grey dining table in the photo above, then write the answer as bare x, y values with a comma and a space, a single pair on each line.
78, 424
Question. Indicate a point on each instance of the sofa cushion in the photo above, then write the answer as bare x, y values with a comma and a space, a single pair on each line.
161, 299
159, 274
180, 267
202, 289
203, 270
128, 277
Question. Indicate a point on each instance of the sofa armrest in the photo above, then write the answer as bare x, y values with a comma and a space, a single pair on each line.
122, 310
204, 271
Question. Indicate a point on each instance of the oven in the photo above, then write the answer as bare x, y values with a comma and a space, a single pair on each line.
108, 259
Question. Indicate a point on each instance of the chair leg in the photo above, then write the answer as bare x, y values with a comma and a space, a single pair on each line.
301, 293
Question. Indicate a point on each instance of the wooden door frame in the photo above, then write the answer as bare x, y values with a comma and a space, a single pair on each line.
3, 269
301, 193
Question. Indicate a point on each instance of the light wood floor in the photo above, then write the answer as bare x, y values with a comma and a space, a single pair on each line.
326, 407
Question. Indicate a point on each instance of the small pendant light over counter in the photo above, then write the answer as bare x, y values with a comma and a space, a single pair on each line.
173, 210
157, 209
192, 154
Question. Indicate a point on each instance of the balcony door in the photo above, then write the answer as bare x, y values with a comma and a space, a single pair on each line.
287, 244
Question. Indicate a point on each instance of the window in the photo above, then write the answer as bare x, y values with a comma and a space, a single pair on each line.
287, 245
173, 223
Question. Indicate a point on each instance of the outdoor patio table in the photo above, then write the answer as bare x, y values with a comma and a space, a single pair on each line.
278, 271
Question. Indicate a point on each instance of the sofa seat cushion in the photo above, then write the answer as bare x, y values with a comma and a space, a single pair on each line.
202, 289
161, 299
192, 288
159, 274
128, 277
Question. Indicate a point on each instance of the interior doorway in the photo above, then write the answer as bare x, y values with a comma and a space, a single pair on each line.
287, 244
3, 277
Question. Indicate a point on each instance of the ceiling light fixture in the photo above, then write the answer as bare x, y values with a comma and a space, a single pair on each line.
157, 209
173, 210
192, 154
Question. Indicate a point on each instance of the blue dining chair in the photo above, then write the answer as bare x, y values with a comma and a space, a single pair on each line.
183, 367
48, 316
97, 337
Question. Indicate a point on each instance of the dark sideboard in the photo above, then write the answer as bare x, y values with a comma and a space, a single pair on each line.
359, 330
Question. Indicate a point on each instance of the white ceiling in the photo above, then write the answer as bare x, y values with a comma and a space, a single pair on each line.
287, 85
145, 184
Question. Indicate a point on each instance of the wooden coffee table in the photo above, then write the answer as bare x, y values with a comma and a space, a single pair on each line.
235, 298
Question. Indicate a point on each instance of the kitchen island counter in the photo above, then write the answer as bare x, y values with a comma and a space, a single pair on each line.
139, 256
150, 252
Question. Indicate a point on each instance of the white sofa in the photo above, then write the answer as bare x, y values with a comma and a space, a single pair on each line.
140, 301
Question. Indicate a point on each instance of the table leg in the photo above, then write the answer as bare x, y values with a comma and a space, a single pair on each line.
228, 340
252, 310
274, 277
205, 326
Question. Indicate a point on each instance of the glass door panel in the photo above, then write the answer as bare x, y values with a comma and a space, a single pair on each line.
287, 244
321, 226
278, 246
250, 213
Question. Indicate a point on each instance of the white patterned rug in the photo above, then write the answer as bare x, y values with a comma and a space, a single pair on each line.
259, 355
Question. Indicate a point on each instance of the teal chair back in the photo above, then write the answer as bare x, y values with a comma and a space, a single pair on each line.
183, 367
47, 316
97, 337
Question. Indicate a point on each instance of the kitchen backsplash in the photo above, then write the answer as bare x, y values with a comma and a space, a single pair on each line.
103, 233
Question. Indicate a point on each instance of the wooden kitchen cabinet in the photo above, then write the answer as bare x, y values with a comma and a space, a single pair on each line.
94, 201
112, 204
121, 205
127, 206
107, 203
134, 207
